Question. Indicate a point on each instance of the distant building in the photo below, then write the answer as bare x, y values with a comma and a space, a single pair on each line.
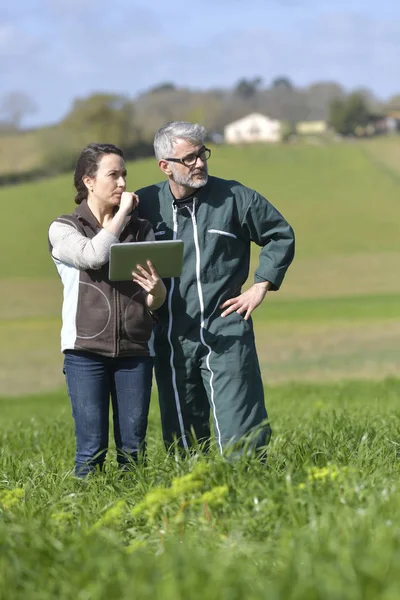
311, 127
378, 125
393, 120
253, 128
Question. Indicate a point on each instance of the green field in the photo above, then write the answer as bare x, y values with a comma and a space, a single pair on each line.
337, 313
321, 522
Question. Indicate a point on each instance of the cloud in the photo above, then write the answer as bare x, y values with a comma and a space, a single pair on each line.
16, 43
351, 48
69, 48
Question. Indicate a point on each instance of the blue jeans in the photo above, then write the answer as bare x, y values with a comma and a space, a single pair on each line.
91, 380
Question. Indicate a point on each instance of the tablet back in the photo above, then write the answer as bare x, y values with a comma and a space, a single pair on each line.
166, 256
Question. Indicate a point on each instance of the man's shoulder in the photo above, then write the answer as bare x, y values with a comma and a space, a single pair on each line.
230, 187
153, 190
152, 199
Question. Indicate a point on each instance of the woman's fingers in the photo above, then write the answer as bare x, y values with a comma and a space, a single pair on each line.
139, 278
152, 269
148, 278
146, 282
143, 271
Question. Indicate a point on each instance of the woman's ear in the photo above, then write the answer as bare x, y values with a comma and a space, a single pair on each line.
88, 182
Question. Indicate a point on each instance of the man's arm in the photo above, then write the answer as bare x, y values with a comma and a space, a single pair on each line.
266, 227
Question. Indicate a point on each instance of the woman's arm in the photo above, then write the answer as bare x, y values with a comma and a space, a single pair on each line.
71, 247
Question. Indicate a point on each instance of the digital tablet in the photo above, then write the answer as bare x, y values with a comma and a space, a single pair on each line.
166, 256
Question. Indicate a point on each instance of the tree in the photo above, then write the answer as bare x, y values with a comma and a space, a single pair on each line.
346, 115
318, 97
373, 105
247, 88
282, 82
103, 117
162, 87
15, 106
285, 104
393, 103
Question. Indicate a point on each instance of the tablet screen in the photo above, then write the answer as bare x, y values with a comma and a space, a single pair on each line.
166, 256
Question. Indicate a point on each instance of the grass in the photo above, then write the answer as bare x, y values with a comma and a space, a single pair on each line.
338, 200
20, 152
298, 339
336, 315
321, 522
385, 152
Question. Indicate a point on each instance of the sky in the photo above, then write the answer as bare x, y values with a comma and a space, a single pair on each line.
59, 50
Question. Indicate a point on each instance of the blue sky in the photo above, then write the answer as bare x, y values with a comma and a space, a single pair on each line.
58, 50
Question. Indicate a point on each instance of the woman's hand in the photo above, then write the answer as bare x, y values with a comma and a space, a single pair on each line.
150, 281
129, 202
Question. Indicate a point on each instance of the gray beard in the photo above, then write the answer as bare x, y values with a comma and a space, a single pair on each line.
189, 181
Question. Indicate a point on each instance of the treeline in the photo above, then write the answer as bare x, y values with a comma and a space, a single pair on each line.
132, 122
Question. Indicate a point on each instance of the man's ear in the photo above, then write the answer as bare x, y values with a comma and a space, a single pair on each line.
165, 166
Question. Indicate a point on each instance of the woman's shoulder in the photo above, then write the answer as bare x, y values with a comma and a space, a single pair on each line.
65, 223
63, 226
69, 219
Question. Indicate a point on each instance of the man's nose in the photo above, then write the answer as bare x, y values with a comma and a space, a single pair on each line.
198, 158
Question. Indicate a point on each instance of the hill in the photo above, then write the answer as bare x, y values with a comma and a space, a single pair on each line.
343, 203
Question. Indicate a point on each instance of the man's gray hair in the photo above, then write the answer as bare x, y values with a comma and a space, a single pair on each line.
167, 135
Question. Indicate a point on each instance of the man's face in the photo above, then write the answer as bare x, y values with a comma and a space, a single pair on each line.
194, 176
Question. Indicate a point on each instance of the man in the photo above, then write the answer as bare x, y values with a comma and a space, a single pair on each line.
204, 341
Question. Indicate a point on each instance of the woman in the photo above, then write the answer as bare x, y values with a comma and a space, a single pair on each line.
106, 325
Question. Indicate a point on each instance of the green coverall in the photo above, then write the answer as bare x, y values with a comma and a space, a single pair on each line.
204, 361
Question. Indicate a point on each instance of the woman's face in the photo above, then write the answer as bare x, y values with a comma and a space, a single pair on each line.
106, 187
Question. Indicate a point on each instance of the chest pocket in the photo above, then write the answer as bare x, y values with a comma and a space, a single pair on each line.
220, 232
224, 250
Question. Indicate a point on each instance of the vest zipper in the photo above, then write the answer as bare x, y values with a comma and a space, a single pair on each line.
116, 328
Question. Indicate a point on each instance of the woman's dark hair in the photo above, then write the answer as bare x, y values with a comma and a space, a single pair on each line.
87, 165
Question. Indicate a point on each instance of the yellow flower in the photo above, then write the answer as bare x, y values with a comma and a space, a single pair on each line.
186, 490
61, 517
214, 496
9, 498
153, 501
319, 404
135, 545
324, 473
112, 516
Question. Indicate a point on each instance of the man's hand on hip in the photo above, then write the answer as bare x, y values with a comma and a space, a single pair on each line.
246, 302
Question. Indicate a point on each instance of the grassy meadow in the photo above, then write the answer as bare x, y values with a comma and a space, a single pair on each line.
321, 520
336, 314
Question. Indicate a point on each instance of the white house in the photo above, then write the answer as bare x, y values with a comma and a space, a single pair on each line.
253, 128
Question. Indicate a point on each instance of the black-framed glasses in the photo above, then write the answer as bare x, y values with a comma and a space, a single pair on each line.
191, 159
